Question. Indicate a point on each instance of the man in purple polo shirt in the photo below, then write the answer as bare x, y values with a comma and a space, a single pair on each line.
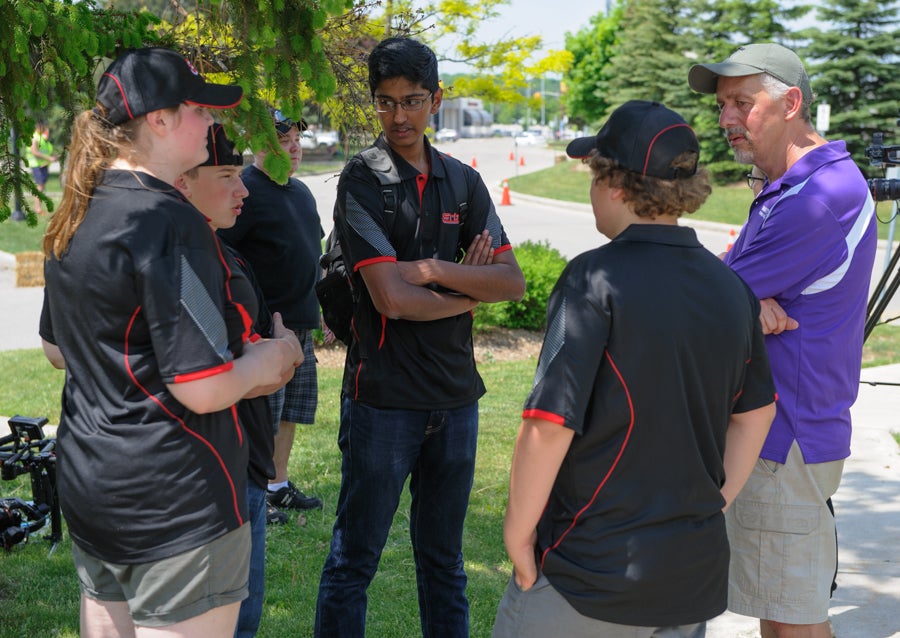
806, 250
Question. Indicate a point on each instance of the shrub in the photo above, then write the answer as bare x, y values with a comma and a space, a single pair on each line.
727, 172
541, 266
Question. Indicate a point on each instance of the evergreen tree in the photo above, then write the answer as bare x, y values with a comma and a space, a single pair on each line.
48, 54
591, 50
853, 68
649, 61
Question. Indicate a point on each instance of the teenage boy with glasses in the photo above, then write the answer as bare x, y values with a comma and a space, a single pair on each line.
410, 392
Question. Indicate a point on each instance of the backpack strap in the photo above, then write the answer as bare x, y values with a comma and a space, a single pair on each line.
459, 180
381, 164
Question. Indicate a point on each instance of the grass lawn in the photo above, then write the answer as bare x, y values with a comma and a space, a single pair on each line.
39, 595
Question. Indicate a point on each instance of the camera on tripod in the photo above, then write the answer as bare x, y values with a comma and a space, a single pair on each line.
27, 451
883, 156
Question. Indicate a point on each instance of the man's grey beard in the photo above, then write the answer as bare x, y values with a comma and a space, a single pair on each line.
743, 156
740, 156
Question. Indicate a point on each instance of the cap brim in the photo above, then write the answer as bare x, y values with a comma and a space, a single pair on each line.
283, 127
217, 96
704, 78
581, 147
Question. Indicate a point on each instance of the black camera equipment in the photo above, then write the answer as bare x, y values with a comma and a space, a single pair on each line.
883, 190
27, 451
13, 529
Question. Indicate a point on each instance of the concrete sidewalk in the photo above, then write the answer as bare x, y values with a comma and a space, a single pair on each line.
20, 309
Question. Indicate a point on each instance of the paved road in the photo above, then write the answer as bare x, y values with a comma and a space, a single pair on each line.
867, 602
567, 227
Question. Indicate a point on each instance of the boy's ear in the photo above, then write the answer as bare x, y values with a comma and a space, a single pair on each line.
436, 99
183, 186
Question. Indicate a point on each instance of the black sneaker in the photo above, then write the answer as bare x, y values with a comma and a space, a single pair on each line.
274, 516
291, 498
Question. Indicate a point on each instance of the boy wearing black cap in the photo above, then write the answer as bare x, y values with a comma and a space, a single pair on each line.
280, 234
137, 310
807, 251
216, 189
647, 409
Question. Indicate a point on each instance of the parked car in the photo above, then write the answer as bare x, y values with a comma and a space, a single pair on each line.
446, 135
530, 138
308, 140
328, 138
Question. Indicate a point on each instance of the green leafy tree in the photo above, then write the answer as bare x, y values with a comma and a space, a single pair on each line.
275, 50
51, 50
591, 49
502, 69
306, 56
853, 67
48, 55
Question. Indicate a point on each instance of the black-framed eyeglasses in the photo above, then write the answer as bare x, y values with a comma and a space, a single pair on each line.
752, 179
387, 105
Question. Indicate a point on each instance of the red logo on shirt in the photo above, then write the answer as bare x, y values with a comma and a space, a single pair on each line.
450, 218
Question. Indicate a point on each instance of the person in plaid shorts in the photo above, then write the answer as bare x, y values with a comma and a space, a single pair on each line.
279, 233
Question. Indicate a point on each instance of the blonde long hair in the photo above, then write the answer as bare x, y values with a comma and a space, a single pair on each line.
94, 146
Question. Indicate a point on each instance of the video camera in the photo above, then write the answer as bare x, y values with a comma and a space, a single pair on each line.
27, 450
882, 156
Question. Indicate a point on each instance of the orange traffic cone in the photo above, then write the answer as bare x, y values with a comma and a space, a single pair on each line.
512, 156
474, 163
522, 160
731, 235
504, 199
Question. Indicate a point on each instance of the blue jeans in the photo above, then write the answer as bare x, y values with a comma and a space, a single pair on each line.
380, 449
252, 606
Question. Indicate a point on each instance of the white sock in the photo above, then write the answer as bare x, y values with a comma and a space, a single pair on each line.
274, 487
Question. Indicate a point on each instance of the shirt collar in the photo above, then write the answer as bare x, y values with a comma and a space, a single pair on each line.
660, 234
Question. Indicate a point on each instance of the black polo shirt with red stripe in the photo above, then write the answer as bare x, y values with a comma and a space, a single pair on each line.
395, 363
140, 300
651, 344
255, 318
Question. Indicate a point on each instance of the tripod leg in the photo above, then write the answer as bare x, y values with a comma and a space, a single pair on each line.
874, 313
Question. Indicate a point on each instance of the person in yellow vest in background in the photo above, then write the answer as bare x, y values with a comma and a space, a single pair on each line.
40, 156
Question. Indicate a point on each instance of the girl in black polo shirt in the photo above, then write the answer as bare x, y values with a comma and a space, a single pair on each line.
152, 459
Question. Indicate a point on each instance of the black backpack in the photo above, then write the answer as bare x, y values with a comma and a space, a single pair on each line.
336, 292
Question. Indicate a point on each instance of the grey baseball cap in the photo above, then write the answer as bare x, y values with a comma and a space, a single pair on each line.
776, 60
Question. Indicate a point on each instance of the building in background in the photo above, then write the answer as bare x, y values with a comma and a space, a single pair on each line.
467, 116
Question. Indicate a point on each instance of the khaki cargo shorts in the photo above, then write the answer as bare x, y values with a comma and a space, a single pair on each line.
783, 543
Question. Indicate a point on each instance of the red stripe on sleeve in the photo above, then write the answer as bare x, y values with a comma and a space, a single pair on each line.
375, 260
541, 414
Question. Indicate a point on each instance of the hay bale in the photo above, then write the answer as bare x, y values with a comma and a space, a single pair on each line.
29, 269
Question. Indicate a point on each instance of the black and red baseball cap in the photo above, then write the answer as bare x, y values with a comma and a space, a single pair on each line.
642, 137
221, 149
284, 124
143, 80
